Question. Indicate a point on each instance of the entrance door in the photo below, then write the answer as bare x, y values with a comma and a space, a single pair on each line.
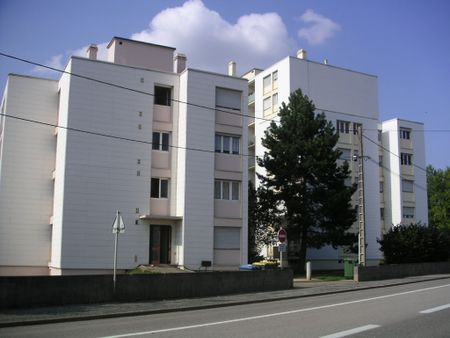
160, 244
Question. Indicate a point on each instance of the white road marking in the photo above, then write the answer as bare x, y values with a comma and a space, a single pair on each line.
276, 314
352, 331
438, 308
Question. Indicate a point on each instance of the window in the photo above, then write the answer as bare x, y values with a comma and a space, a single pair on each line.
275, 101
226, 190
382, 214
160, 141
343, 127
345, 154
159, 188
228, 99
356, 128
267, 105
406, 159
381, 187
408, 212
162, 96
405, 134
379, 135
227, 238
380, 160
407, 186
266, 84
275, 79
227, 144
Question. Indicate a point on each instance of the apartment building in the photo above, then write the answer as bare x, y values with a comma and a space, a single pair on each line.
403, 181
350, 100
139, 133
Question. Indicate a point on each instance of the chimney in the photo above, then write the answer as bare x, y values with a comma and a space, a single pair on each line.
179, 63
232, 68
301, 54
91, 52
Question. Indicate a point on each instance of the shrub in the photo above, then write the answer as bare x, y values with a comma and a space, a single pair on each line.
414, 243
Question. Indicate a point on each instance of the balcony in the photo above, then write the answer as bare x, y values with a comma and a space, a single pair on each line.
251, 98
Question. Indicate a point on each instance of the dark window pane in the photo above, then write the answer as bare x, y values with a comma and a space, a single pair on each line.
155, 188
235, 145
155, 141
226, 144
162, 96
218, 144
164, 188
165, 142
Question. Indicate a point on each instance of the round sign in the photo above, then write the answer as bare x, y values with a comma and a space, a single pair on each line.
282, 235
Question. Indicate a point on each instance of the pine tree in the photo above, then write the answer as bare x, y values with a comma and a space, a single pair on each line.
303, 178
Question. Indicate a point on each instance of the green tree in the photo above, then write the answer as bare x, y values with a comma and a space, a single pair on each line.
303, 182
414, 243
259, 215
438, 182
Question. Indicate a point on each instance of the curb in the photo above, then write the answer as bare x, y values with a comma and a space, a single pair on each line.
202, 307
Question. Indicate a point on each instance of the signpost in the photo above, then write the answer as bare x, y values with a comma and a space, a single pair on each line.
117, 227
282, 239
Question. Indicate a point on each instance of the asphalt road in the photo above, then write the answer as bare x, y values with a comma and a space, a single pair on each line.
412, 310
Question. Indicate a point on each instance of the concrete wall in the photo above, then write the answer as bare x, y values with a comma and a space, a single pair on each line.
62, 290
399, 271
27, 160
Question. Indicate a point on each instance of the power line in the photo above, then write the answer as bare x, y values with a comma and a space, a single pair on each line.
384, 148
171, 99
108, 135
131, 89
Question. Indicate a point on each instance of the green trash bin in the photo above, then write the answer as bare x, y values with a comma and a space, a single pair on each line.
349, 266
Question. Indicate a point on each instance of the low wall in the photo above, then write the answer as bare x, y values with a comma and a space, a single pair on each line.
368, 273
61, 290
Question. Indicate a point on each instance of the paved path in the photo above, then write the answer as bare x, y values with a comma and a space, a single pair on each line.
301, 288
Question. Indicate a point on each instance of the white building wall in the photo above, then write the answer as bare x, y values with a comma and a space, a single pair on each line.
101, 173
26, 187
199, 166
342, 95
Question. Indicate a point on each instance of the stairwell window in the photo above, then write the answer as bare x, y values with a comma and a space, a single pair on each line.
407, 186
227, 144
160, 141
405, 134
267, 84
408, 212
406, 159
343, 127
226, 190
159, 188
162, 96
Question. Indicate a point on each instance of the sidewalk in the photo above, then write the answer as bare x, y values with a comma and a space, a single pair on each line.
302, 288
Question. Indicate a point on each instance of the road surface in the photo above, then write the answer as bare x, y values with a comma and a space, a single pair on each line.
412, 310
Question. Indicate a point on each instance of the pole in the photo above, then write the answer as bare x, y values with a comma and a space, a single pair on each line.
308, 270
115, 261
281, 259
361, 203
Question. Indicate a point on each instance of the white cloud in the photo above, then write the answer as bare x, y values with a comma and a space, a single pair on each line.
208, 40
321, 29
54, 62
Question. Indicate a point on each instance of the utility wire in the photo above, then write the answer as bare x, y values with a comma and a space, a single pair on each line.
384, 148
109, 135
173, 100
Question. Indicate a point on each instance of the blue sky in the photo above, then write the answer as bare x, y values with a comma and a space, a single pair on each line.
405, 43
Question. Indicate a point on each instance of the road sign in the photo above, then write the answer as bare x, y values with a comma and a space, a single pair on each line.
282, 247
118, 225
282, 235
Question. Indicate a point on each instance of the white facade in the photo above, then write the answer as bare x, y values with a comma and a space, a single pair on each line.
403, 173
160, 167
348, 99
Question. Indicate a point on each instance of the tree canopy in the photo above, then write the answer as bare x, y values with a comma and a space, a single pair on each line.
304, 184
438, 182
